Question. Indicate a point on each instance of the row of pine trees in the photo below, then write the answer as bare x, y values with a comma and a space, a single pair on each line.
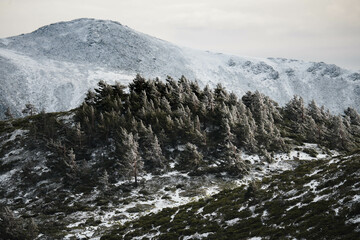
151, 123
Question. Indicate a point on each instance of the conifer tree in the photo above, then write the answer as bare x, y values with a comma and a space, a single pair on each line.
208, 99
315, 112
232, 160
353, 115
340, 137
8, 114
71, 164
151, 150
79, 134
131, 163
10, 227
154, 157
165, 105
29, 109
90, 98
104, 181
295, 110
190, 157
220, 93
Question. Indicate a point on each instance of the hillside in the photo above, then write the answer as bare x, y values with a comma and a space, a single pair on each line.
54, 66
130, 151
319, 199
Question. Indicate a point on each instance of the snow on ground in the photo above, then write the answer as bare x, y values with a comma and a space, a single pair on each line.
7, 176
232, 221
169, 190
159, 200
312, 185
197, 236
14, 135
354, 220
281, 162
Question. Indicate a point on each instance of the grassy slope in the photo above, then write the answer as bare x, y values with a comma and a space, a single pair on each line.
319, 199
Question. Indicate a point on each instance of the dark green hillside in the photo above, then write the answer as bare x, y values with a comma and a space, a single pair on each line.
318, 200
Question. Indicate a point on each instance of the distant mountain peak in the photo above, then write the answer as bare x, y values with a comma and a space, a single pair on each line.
54, 66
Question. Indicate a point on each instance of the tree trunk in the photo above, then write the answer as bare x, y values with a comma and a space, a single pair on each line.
135, 174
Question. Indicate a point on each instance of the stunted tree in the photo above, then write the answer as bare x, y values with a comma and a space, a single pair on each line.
79, 134
29, 109
8, 114
70, 162
104, 181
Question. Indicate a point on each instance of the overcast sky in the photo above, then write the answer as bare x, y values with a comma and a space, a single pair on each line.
316, 30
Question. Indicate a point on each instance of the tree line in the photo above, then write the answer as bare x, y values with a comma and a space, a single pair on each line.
151, 123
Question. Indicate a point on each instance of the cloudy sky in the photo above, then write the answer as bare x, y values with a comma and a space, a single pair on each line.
315, 30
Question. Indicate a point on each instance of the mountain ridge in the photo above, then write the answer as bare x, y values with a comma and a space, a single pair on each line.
55, 65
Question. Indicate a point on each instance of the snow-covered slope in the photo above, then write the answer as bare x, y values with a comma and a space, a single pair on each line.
54, 66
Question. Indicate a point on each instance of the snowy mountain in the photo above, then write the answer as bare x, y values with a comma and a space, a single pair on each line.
54, 66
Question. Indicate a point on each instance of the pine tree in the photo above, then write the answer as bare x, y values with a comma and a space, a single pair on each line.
165, 105
247, 133
208, 99
104, 181
70, 162
353, 115
154, 155
8, 114
315, 112
220, 93
130, 161
79, 134
190, 157
151, 151
10, 227
232, 161
29, 109
295, 110
340, 137
32, 229
90, 98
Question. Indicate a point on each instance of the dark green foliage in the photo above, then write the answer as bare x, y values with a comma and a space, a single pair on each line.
310, 151
285, 209
163, 117
190, 158
12, 227
202, 130
180, 112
